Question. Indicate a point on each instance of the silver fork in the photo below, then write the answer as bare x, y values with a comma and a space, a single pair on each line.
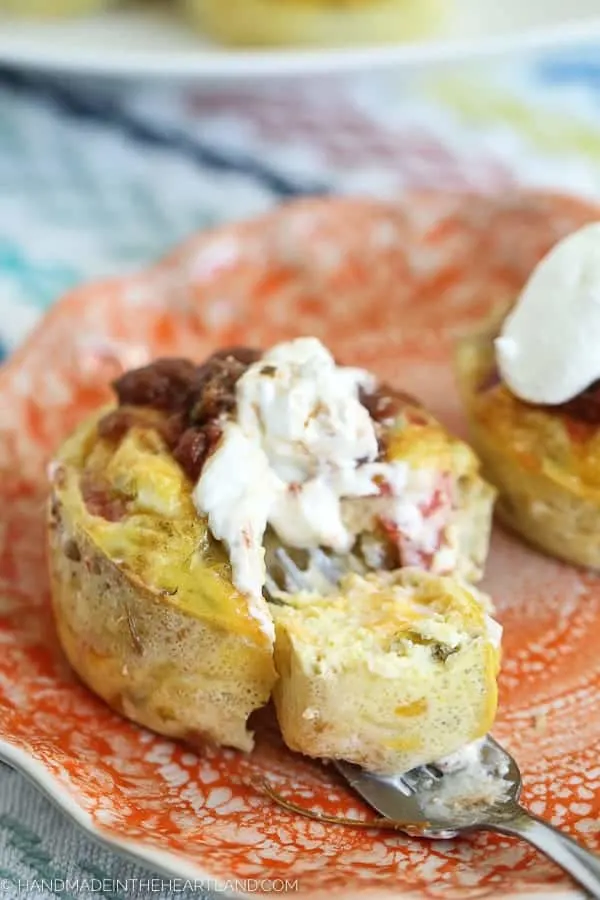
429, 802
417, 798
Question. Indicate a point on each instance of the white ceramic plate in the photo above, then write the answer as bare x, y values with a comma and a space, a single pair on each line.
155, 42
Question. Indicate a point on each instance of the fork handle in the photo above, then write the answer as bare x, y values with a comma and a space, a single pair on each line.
581, 865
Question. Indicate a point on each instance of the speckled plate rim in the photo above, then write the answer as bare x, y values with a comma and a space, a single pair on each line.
168, 865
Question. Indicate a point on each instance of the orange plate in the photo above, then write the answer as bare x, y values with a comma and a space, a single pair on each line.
387, 286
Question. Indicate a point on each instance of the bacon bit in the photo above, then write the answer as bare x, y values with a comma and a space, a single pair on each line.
213, 391
394, 535
172, 429
491, 380
411, 556
437, 502
100, 499
114, 426
117, 423
578, 430
386, 402
193, 397
407, 552
413, 417
390, 528
213, 434
441, 497
191, 451
585, 407
385, 488
195, 446
100, 503
294, 488
165, 384
384, 405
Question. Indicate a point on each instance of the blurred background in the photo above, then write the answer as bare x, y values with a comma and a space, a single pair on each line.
124, 127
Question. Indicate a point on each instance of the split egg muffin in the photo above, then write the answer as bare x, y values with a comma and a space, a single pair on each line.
272, 524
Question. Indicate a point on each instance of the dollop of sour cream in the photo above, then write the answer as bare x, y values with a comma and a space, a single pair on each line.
301, 440
549, 347
300, 455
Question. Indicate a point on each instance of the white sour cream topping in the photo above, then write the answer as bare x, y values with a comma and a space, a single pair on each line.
549, 347
301, 447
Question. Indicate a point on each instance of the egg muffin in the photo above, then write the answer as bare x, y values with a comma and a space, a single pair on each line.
163, 507
142, 594
544, 460
50, 9
317, 22
391, 672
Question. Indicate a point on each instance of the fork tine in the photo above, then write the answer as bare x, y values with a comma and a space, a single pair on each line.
433, 772
402, 784
406, 783
420, 777
354, 565
271, 586
325, 564
296, 576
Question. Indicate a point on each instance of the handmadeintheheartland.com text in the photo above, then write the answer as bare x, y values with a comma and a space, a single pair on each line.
142, 887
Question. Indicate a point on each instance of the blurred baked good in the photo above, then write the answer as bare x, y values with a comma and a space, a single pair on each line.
52, 8
532, 396
317, 22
